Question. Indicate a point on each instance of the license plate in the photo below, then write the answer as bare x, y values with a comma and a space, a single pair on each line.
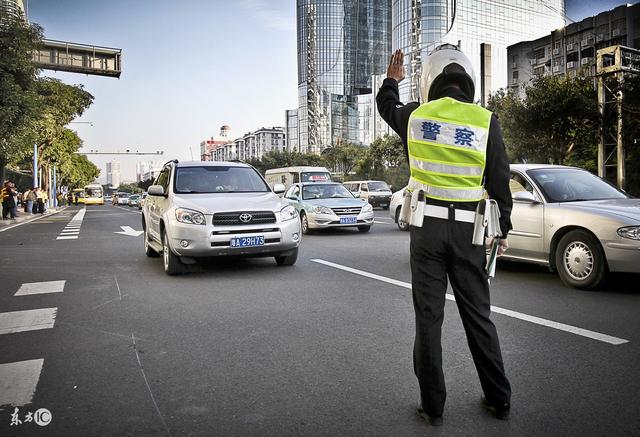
348, 220
247, 241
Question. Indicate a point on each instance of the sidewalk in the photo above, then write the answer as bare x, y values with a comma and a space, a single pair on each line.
24, 217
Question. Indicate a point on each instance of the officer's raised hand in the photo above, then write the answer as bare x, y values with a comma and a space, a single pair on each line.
395, 70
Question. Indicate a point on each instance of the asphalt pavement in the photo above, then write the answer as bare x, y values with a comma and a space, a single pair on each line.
94, 332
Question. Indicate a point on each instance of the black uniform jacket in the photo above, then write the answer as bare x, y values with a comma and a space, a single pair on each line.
496, 173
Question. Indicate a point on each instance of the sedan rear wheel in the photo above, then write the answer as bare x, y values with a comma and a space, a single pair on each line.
580, 260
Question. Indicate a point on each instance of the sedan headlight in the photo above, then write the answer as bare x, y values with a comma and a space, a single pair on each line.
367, 208
323, 210
189, 216
288, 213
630, 232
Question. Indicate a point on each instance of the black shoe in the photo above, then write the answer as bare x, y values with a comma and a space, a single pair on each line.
499, 411
431, 420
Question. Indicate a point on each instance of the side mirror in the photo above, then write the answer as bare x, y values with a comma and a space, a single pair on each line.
525, 196
156, 190
279, 188
356, 195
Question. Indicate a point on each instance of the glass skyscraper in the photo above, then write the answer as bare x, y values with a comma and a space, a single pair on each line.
421, 25
341, 45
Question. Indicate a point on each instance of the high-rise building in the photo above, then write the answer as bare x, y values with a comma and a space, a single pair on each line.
12, 8
483, 29
571, 50
146, 170
113, 173
341, 44
291, 130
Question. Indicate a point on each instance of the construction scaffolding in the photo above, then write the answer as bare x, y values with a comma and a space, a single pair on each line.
614, 61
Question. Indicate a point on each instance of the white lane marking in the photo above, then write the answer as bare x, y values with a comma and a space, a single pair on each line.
40, 288
128, 230
72, 229
29, 320
533, 319
382, 223
79, 216
18, 381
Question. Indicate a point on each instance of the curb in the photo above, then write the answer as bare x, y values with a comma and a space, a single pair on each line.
24, 222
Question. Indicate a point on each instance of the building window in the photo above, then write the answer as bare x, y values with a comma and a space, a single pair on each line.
515, 75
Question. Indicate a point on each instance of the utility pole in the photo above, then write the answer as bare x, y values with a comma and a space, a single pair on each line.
613, 61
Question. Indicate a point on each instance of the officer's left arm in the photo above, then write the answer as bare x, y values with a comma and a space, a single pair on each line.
497, 175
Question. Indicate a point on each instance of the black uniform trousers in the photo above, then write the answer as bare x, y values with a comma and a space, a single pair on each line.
442, 249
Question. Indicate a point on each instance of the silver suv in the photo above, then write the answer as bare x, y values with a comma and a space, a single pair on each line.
203, 209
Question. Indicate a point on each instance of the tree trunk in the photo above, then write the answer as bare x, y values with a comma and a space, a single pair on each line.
3, 164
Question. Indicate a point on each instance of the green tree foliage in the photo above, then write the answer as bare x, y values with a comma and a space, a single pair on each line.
344, 157
556, 122
129, 188
18, 98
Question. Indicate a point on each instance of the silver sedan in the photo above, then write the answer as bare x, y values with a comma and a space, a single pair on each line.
574, 222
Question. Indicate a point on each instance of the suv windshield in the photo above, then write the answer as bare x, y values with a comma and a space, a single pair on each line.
218, 179
378, 186
573, 185
325, 191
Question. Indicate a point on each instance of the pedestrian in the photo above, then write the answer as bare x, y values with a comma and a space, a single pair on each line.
456, 153
31, 201
39, 206
9, 201
69, 198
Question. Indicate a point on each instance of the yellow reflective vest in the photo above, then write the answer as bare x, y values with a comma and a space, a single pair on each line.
447, 142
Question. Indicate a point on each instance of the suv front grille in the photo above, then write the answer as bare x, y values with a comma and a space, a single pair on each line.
347, 211
234, 218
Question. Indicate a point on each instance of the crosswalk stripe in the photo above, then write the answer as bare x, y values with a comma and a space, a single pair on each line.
67, 238
18, 381
29, 320
41, 288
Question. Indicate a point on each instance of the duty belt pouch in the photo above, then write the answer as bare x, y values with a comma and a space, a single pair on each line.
417, 208
480, 223
405, 209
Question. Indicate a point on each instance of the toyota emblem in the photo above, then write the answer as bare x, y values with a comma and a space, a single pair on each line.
245, 218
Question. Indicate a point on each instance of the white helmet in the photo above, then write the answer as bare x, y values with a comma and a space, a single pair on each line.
444, 65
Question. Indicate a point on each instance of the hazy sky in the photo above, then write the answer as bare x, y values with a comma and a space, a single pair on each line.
189, 67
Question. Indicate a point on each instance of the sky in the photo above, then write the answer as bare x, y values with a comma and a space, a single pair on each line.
188, 67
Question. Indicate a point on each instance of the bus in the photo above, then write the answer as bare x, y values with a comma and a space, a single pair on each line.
93, 194
78, 195
291, 175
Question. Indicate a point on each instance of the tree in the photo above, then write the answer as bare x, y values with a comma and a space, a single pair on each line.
18, 98
556, 122
631, 130
344, 157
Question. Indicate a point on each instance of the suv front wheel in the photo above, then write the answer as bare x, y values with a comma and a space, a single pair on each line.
171, 261
287, 260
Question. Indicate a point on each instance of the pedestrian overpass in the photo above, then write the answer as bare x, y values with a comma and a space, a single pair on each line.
78, 58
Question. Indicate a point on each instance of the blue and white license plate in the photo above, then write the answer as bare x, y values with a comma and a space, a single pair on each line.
348, 220
247, 241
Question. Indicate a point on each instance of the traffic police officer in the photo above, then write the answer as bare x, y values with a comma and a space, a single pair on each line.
456, 152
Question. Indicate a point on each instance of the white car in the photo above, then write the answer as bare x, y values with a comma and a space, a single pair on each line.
394, 209
207, 209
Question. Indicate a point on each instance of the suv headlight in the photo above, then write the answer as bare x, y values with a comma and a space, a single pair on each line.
630, 232
189, 216
367, 208
288, 213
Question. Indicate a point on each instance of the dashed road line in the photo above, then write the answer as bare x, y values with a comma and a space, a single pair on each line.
41, 288
18, 381
29, 320
517, 315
